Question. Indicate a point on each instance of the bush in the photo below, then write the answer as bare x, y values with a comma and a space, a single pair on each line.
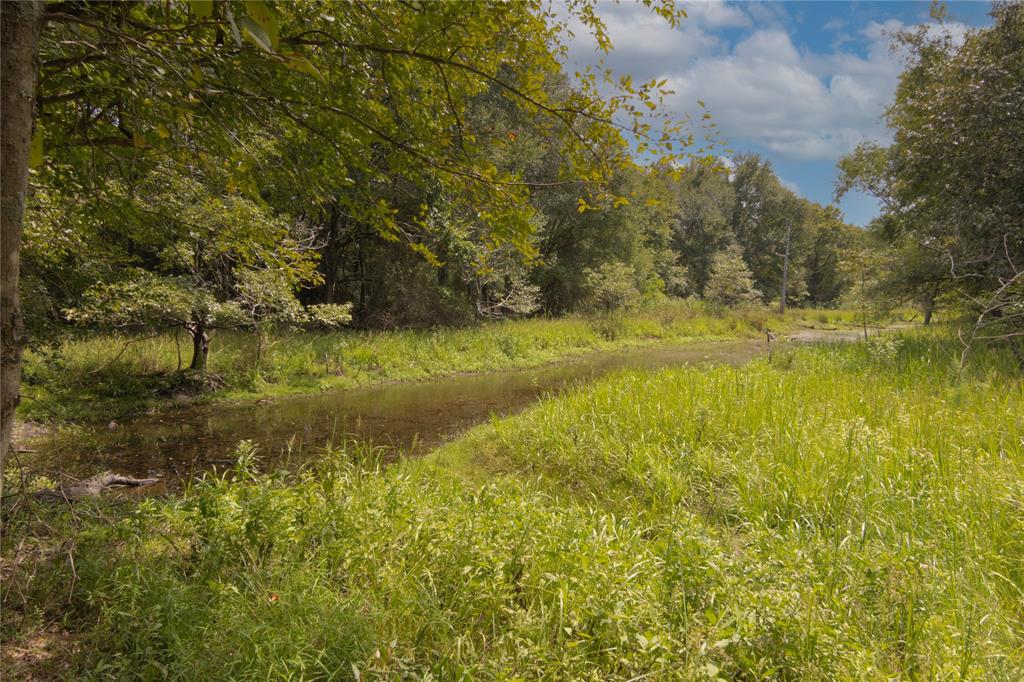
730, 281
610, 287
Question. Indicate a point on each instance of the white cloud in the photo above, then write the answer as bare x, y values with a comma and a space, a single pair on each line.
645, 45
881, 31
800, 104
716, 14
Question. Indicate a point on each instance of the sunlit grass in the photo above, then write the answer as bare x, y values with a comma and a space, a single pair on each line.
850, 512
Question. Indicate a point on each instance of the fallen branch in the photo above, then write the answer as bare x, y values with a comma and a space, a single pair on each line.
92, 487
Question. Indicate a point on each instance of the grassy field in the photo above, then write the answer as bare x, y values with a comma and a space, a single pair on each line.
850, 512
100, 377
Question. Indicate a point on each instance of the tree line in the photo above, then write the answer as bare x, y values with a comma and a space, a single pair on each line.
216, 163
951, 184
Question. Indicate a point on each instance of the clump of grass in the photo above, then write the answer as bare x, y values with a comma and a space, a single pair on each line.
855, 513
100, 377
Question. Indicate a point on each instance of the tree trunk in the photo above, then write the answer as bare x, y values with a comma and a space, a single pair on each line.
785, 270
200, 346
20, 26
331, 256
864, 303
261, 346
929, 305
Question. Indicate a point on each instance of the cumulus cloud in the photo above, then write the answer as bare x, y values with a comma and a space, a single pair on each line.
760, 87
644, 44
800, 105
716, 14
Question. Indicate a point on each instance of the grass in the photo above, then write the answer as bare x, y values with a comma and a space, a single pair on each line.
851, 512
99, 377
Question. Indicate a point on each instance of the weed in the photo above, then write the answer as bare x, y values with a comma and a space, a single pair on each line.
854, 516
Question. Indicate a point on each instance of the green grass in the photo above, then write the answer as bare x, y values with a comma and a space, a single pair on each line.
87, 379
852, 512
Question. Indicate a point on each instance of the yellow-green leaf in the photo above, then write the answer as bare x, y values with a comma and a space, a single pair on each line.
295, 60
203, 9
264, 15
35, 152
255, 33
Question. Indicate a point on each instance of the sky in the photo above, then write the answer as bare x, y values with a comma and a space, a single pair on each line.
801, 83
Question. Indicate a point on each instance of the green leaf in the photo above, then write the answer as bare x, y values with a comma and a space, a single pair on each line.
35, 152
295, 60
265, 16
255, 33
203, 9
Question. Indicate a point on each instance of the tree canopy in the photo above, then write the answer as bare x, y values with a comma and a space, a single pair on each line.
951, 181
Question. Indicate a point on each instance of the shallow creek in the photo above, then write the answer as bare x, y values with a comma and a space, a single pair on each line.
407, 417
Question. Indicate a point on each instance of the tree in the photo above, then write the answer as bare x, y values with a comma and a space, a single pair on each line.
828, 237
863, 262
611, 287
632, 225
703, 225
348, 95
730, 281
768, 223
950, 182
20, 26
195, 255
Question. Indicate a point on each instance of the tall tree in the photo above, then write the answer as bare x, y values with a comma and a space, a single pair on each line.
951, 180
768, 223
703, 226
20, 26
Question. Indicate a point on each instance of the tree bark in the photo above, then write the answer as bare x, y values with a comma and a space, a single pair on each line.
929, 304
785, 270
200, 346
20, 26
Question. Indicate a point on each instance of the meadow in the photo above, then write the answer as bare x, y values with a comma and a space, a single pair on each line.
831, 512
103, 377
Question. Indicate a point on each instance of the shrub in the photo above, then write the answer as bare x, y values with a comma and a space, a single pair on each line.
731, 282
611, 287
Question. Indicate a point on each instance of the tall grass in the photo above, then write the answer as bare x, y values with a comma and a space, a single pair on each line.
852, 512
103, 377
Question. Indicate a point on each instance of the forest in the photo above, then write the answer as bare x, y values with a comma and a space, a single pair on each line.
381, 340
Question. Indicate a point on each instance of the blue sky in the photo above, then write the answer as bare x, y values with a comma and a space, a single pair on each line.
800, 83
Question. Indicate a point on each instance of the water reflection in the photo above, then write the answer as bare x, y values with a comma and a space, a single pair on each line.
411, 418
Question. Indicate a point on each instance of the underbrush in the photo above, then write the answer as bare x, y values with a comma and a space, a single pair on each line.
99, 377
852, 512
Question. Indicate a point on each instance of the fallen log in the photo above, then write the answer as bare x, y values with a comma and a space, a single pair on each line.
92, 487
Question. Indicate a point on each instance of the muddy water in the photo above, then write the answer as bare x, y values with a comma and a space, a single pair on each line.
411, 418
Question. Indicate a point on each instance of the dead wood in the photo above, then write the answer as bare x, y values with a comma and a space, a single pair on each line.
92, 487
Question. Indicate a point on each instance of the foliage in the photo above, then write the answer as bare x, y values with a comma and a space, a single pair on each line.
765, 217
215, 258
267, 89
611, 286
950, 181
730, 281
